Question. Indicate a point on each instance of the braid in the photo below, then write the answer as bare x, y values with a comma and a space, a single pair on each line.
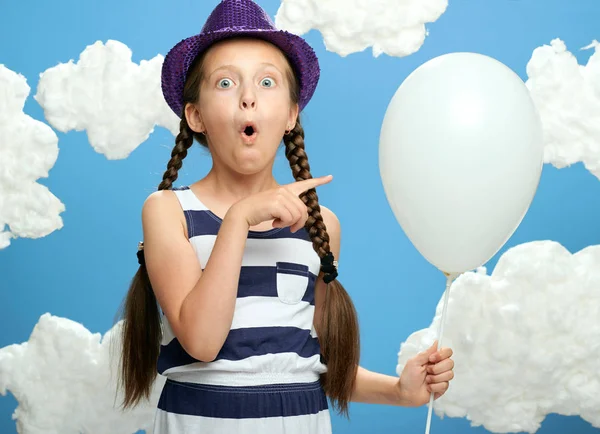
183, 142
338, 335
137, 373
296, 154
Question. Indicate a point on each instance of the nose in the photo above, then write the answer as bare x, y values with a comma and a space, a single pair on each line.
248, 100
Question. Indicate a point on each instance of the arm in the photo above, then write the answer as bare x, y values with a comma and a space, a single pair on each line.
375, 388
198, 304
370, 387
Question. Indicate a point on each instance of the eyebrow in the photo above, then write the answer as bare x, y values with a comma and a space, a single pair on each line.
237, 69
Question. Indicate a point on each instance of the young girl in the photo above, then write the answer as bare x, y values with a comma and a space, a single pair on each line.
254, 332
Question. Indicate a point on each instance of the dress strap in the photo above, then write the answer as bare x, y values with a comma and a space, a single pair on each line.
188, 200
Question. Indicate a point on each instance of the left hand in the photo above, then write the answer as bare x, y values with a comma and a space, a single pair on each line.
428, 371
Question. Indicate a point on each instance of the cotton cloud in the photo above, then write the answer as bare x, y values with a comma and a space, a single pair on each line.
64, 379
525, 339
568, 98
116, 101
394, 27
28, 150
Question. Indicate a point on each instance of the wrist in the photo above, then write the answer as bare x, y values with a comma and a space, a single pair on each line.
236, 214
376, 388
401, 397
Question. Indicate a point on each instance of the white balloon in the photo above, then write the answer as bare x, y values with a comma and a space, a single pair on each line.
461, 156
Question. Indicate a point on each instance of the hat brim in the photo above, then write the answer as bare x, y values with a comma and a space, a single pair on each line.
179, 59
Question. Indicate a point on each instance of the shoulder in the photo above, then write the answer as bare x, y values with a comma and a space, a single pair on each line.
160, 201
161, 208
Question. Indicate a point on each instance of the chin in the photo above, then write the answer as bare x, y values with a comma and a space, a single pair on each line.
249, 166
251, 162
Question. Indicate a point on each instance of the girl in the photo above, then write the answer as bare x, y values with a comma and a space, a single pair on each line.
255, 331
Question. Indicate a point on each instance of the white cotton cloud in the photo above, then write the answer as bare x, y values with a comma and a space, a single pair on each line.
525, 339
116, 101
28, 150
568, 98
394, 27
64, 379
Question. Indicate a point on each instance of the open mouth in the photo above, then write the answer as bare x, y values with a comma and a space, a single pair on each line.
249, 130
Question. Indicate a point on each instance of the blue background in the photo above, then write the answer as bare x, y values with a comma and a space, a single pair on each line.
82, 271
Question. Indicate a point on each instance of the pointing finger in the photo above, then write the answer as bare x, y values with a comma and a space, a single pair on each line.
300, 187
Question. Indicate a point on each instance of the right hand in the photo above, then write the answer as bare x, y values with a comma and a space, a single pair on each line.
282, 204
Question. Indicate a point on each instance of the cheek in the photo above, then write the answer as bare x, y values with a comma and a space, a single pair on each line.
217, 113
280, 117
278, 98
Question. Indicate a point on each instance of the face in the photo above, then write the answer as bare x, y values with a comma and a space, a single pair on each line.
244, 106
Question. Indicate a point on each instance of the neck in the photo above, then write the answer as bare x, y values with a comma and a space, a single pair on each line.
235, 186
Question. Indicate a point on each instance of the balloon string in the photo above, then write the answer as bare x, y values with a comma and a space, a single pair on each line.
449, 279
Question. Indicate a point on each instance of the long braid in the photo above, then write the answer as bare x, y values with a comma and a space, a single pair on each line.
141, 344
338, 335
296, 155
183, 142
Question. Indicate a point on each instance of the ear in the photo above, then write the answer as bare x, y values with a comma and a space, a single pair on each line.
194, 120
293, 116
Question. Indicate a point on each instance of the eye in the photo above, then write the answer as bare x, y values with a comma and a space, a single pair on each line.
267, 82
225, 83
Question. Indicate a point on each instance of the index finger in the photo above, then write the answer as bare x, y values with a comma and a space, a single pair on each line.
299, 187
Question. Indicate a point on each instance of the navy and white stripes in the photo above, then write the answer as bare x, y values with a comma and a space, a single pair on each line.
266, 376
299, 408
272, 331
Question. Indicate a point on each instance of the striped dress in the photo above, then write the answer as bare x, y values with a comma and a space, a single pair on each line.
265, 379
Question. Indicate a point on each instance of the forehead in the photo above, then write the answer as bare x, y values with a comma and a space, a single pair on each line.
244, 51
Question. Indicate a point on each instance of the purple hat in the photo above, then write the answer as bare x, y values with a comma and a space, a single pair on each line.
229, 19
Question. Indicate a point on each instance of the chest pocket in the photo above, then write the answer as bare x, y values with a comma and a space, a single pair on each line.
292, 282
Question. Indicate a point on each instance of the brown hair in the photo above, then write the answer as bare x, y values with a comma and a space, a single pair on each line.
338, 334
